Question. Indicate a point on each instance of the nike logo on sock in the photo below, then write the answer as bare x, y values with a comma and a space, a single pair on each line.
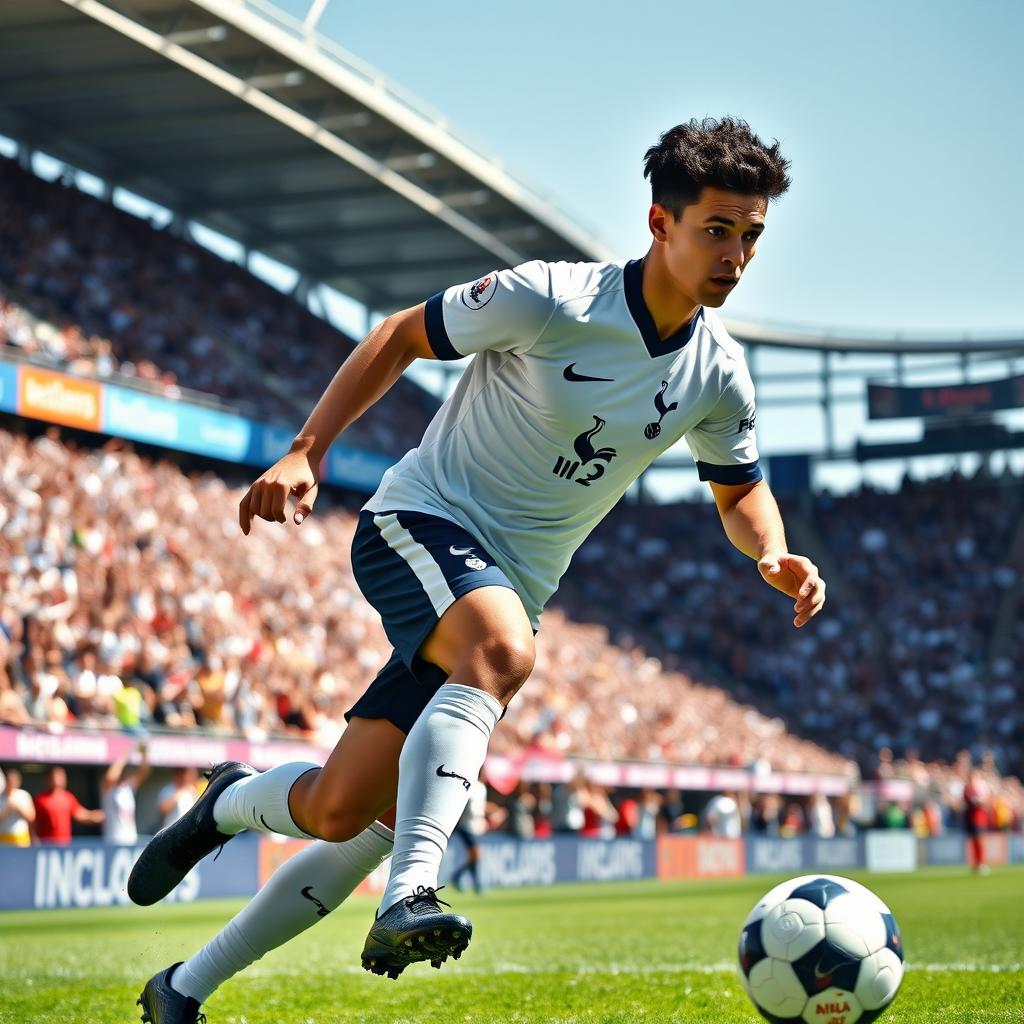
452, 775
308, 893
569, 373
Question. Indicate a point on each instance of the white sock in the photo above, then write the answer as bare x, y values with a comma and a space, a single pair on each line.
260, 802
443, 754
301, 892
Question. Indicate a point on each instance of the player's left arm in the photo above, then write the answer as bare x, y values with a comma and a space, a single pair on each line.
753, 524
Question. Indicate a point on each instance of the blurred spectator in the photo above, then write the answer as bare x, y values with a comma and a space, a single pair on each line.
764, 814
120, 784
722, 816
649, 814
471, 825
17, 812
976, 818
599, 813
56, 807
820, 820
177, 796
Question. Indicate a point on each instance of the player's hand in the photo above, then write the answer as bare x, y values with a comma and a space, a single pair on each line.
798, 577
295, 475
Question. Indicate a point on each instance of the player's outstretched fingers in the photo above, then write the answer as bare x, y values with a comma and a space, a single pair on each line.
267, 501
307, 497
245, 513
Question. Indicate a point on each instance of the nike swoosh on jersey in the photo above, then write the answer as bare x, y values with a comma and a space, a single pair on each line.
569, 373
459, 552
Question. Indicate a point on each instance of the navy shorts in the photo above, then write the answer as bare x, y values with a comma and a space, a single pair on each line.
412, 567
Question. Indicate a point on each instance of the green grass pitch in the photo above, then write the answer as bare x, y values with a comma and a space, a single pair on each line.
637, 952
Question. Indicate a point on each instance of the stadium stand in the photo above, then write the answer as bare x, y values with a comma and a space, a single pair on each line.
901, 660
130, 599
117, 297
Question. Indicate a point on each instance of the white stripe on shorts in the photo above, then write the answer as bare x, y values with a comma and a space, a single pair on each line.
418, 558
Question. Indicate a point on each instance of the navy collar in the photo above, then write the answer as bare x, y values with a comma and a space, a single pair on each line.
632, 284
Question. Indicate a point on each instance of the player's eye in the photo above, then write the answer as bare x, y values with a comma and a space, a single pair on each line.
714, 229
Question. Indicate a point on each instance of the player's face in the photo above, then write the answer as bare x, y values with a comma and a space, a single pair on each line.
707, 250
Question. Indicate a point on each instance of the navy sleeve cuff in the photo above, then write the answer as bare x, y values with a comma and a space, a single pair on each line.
749, 473
437, 334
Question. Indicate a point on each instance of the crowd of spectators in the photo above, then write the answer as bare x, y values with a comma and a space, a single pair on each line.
969, 797
100, 292
901, 656
129, 599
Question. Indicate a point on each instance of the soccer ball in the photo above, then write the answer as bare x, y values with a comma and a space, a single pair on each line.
821, 950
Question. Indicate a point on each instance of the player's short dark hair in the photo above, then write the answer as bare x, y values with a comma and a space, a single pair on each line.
714, 153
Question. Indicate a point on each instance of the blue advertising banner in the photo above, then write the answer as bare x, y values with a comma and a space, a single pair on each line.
511, 863
170, 423
352, 468
774, 856
831, 855
1016, 851
90, 873
949, 849
8, 387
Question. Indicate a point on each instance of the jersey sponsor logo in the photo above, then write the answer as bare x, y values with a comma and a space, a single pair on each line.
478, 294
652, 430
746, 424
322, 911
586, 453
569, 373
453, 775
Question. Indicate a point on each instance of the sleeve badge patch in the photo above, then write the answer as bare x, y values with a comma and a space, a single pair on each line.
478, 294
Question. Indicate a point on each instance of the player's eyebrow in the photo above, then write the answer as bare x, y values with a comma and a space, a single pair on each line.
717, 218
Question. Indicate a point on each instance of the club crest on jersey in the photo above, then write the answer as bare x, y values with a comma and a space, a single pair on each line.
586, 453
478, 294
475, 563
652, 430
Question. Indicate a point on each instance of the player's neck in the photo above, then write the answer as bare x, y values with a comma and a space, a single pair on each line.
670, 309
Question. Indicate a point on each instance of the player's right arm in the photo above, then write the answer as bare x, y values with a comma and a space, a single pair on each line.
365, 376
505, 311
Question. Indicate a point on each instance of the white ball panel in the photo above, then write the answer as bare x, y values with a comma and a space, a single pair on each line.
835, 1005
792, 928
879, 979
774, 896
869, 898
776, 988
854, 925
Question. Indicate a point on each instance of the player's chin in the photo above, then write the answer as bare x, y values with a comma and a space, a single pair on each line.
714, 293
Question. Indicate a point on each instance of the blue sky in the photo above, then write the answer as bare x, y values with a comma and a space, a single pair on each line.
902, 120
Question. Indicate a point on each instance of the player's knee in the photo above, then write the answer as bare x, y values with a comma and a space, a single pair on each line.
501, 665
340, 824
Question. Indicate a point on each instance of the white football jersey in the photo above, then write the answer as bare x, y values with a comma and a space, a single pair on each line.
570, 398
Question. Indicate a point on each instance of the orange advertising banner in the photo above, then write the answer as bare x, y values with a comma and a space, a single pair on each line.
58, 398
700, 857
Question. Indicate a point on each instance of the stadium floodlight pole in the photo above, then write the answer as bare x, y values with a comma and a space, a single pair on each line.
314, 14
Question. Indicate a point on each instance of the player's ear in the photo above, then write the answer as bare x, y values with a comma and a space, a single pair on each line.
657, 221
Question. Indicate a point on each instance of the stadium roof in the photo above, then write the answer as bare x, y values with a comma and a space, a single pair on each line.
230, 113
